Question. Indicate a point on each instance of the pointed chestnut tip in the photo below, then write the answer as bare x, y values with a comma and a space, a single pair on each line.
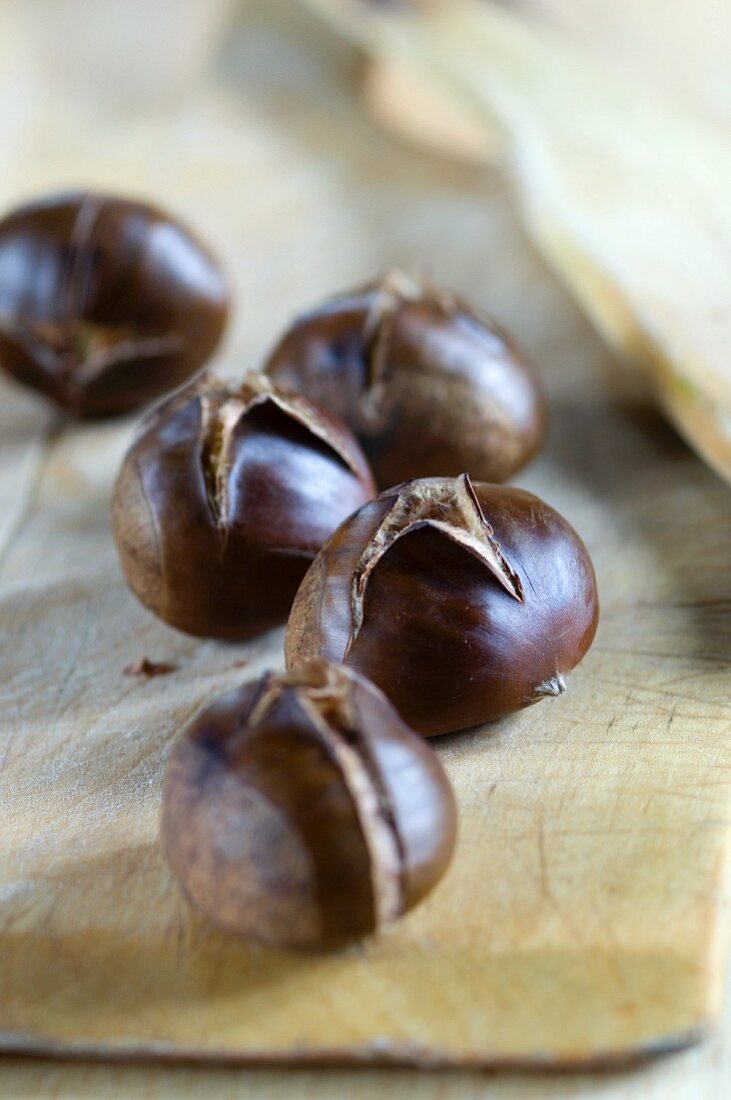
402, 284
553, 687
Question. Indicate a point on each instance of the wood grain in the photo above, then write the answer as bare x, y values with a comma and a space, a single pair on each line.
584, 918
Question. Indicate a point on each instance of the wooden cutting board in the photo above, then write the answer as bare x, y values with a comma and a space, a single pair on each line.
584, 919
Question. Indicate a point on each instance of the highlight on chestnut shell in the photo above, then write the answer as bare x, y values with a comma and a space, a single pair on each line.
106, 303
299, 811
463, 602
224, 499
429, 385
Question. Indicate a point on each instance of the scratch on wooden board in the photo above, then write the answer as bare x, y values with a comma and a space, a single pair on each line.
50, 437
542, 862
59, 708
6, 754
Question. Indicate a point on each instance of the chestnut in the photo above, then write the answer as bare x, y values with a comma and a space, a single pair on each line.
224, 499
429, 386
105, 303
300, 811
461, 601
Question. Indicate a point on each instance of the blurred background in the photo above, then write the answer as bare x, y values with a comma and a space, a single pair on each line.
217, 105
311, 159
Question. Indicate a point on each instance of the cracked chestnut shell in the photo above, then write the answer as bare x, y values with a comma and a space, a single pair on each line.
428, 385
461, 601
105, 303
300, 811
224, 499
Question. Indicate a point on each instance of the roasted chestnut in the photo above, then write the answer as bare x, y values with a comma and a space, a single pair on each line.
224, 499
300, 811
105, 303
428, 385
461, 602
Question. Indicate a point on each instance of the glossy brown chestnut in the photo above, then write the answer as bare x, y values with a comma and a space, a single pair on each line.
105, 303
224, 499
428, 385
300, 811
461, 602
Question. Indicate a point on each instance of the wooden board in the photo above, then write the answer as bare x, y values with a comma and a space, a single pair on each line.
701, 1073
583, 919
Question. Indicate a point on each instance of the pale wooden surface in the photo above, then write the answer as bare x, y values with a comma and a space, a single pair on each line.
681, 49
678, 51
585, 913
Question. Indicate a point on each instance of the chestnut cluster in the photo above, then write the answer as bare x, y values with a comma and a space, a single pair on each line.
306, 809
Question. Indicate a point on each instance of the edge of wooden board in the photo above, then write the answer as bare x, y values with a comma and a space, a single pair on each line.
666, 1024
397, 1056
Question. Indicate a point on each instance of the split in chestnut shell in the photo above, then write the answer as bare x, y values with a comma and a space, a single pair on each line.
463, 602
299, 810
106, 304
429, 385
224, 499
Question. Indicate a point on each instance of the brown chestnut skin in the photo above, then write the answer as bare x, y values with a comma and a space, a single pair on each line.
106, 304
224, 499
429, 386
300, 811
461, 602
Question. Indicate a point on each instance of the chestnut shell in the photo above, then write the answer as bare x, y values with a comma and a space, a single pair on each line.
300, 811
462, 602
224, 499
105, 303
429, 385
